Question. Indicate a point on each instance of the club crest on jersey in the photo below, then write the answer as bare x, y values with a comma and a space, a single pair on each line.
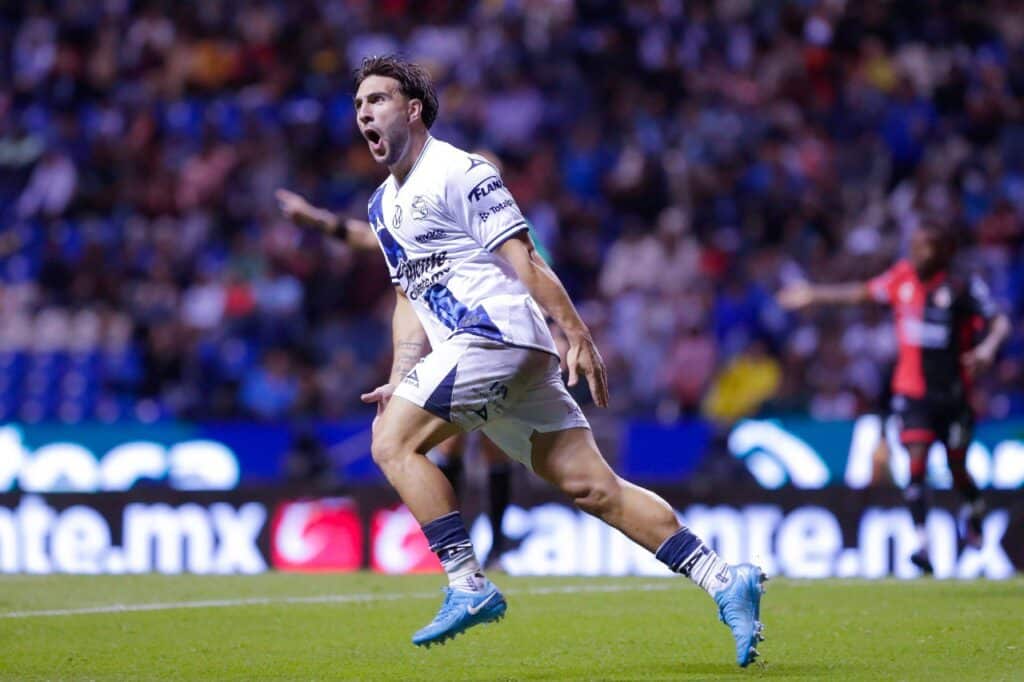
396, 222
943, 298
419, 208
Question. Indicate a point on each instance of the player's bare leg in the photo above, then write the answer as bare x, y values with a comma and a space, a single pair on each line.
571, 460
402, 436
449, 455
974, 505
916, 496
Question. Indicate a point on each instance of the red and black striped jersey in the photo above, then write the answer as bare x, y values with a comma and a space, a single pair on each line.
936, 322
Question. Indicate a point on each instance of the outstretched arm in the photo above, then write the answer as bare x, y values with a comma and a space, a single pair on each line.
803, 295
356, 233
545, 287
984, 354
410, 344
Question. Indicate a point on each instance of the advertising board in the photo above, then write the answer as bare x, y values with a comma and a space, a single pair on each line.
793, 533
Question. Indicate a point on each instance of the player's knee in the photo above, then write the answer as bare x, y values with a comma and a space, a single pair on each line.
597, 496
385, 449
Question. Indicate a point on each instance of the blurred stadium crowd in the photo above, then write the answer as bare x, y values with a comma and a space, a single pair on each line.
680, 161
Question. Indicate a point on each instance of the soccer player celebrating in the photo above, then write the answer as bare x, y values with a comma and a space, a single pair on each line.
938, 314
470, 283
449, 454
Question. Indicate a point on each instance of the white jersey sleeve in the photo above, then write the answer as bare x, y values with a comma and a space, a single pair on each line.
482, 204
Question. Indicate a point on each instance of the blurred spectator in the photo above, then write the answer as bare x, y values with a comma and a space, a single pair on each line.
690, 366
749, 380
50, 187
270, 390
680, 161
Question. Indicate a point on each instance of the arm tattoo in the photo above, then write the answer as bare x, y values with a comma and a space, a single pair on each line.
407, 354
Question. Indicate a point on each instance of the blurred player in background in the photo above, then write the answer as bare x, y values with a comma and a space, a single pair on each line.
939, 314
470, 286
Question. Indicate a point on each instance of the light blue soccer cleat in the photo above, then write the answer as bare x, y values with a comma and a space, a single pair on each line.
461, 611
739, 607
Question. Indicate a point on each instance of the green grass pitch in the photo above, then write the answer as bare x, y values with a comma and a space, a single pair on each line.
357, 627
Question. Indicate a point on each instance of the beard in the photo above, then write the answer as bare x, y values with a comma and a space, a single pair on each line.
397, 143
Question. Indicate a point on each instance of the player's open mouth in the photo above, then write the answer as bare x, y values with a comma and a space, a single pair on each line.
375, 140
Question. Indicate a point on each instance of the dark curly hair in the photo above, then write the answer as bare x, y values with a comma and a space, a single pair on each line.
412, 79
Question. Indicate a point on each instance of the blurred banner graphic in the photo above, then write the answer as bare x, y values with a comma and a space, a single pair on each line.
793, 533
796, 452
806, 453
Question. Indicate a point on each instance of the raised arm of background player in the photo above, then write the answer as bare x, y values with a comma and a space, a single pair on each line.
803, 295
408, 336
356, 233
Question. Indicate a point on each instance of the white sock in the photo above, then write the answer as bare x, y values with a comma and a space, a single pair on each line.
708, 570
463, 569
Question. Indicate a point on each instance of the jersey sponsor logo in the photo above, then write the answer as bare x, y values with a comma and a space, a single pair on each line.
419, 207
429, 236
416, 290
414, 268
422, 273
396, 222
496, 209
412, 378
485, 187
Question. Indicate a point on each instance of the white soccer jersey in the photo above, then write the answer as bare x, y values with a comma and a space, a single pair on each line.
438, 230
